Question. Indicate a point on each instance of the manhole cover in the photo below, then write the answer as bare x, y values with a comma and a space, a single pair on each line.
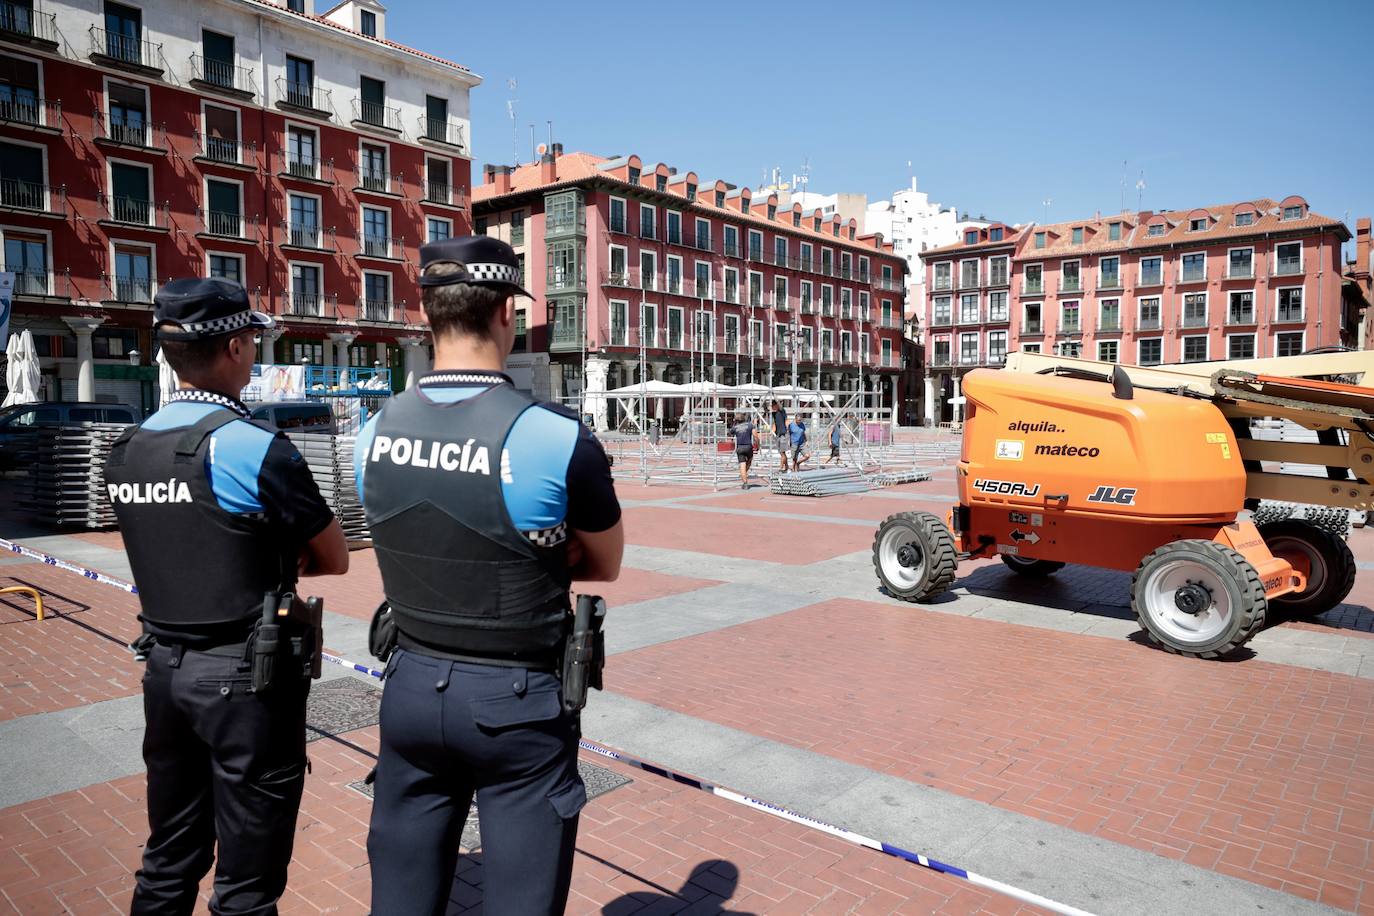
598, 780
341, 705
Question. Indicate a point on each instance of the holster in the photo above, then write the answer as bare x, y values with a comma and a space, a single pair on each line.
584, 656
287, 641
382, 633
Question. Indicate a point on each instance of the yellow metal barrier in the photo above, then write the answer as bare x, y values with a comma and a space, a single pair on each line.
26, 590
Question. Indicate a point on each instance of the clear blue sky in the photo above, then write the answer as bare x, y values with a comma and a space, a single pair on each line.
998, 106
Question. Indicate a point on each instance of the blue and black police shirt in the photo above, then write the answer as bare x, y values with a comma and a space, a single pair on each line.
251, 471
558, 471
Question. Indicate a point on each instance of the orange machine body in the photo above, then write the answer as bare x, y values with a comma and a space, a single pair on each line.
1057, 468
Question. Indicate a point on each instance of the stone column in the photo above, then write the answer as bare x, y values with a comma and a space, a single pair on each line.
958, 415
85, 356
267, 353
929, 403
595, 382
341, 343
416, 359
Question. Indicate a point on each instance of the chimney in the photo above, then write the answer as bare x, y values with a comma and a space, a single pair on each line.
546, 169
502, 178
557, 150
1362, 262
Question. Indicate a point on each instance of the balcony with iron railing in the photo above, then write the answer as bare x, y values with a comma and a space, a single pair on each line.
731, 250
222, 76
941, 321
968, 281
222, 224
379, 181
448, 131
305, 98
130, 132
617, 224
1109, 323
1032, 326
22, 24
1240, 271
125, 52
308, 236
998, 279
1070, 285
1147, 322
376, 245
1241, 316
648, 230
21, 109
1194, 320
1192, 274
1286, 267
226, 151
890, 321
889, 361
1069, 324
941, 284
376, 115
968, 317
1150, 277
700, 242
566, 332
940, 360
18, 195
445, 194
558, 278
1289, 314
1111, 281
306, 167
135, 212
999, 315
310, 305
891, 286
380, 310
30, 281
128, 290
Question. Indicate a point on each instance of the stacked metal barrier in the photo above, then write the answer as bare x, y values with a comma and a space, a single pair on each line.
66, 474
821, 482
330, 459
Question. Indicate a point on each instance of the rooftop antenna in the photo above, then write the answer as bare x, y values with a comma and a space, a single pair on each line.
1139, 189
1123, 185
512, 85
550, 123
533, 155
1046, 204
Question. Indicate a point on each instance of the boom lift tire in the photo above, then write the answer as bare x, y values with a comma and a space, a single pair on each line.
1198, 598
1035, 569
1322, 555
914, 556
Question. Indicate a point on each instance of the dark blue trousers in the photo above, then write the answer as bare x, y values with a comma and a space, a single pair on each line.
449, 730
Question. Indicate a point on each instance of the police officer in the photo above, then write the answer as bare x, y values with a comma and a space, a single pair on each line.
484, 506
216, 512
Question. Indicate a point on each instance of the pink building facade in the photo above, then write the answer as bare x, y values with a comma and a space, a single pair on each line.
1252, 279
706, 280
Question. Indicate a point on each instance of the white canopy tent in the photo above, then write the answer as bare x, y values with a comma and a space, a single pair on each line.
23, 374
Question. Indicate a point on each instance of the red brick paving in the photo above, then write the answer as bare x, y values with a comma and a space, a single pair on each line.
776, 540
873, 509
76, 853
1261, 771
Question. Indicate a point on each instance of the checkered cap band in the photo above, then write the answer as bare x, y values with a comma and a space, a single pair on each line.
224, 325
493, 273
549, 537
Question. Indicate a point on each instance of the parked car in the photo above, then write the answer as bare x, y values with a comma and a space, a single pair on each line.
296, 416
17, 420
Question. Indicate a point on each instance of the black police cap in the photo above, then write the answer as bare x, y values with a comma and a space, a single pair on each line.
195, 308
482, 261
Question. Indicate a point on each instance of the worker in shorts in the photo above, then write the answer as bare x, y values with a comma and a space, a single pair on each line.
796, 430
746, 441
780, 439
835, 442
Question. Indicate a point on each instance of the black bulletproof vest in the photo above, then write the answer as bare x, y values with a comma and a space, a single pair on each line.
460, 577
195, 563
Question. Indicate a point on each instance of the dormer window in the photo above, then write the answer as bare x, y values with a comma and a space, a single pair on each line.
772, 211
1078, 235
816, 224
1039, 240
1293, 212
796, 220
852, 230
1114, 232
1245, 219
1197, 225
367, 21
661, 182
634, 175
835, 230
720, 198
971, 237
995, 234
691, 191
1156, 230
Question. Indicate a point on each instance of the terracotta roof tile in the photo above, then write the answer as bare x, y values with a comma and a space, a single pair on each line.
345, 29
1012, 239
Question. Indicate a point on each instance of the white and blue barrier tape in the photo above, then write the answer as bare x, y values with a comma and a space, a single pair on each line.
848, 836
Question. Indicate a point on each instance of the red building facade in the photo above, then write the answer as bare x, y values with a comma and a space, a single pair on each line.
1253, 279
704, 279
265, 153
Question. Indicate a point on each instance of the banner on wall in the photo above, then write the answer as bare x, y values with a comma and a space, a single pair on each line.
275, 383
6, 298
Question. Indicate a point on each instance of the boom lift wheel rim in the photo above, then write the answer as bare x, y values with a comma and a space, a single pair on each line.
1176, 584
902, 557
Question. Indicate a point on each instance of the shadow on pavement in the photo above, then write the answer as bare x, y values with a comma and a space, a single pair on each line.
711, 884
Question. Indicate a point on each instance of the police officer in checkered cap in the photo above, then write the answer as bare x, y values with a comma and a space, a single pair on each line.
484, 505
216, 511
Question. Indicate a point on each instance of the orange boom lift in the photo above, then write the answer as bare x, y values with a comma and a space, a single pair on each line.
1071, 461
